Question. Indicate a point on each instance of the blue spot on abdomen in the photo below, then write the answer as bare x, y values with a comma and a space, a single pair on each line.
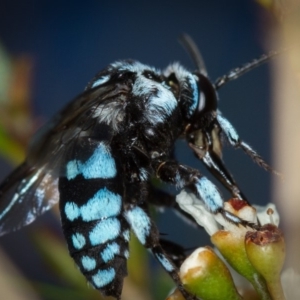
104, 204
78, 241
103, 277
72, 211
110, 251
88, 263
101, 164
105, 230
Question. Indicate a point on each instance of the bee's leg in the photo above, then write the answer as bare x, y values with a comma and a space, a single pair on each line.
216, 167
148, 234
182, 176
235, 141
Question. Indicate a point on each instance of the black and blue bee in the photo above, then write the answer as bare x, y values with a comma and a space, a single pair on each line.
98, 155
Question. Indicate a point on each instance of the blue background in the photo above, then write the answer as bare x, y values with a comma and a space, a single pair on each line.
70, 41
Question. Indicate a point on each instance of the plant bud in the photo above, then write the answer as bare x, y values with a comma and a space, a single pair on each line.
205, 275
266, 251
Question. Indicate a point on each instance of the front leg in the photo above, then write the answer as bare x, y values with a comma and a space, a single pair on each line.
182, 176
217, 168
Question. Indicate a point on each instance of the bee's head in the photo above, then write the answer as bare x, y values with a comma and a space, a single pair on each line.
196, 96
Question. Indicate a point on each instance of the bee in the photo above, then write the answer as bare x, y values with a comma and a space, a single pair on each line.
97, 158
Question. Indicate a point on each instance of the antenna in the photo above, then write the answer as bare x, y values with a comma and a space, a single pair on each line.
238, 72
191, 48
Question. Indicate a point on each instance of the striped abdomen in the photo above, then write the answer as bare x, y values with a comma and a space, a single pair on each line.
91, 213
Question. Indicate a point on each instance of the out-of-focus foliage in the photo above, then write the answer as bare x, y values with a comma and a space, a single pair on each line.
16, 118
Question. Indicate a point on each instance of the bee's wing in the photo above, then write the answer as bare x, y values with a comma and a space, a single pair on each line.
33, 187
79, 118
25, 194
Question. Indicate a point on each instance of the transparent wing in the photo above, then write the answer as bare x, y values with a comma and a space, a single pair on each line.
25, 194
79, 118
32, 188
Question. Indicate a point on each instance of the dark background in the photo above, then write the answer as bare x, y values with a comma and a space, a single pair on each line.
70, 41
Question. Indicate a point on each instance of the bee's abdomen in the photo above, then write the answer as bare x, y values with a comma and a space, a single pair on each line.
91, 213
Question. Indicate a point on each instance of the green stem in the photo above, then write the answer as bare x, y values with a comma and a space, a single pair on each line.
275, 289
260, 286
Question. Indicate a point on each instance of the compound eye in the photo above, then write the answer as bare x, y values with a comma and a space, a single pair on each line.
207, 101
173, 83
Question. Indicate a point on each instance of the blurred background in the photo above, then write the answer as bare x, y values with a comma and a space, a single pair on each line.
50, 50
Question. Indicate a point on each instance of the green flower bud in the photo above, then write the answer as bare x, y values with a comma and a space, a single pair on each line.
232, 247
205, 275
266, 251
